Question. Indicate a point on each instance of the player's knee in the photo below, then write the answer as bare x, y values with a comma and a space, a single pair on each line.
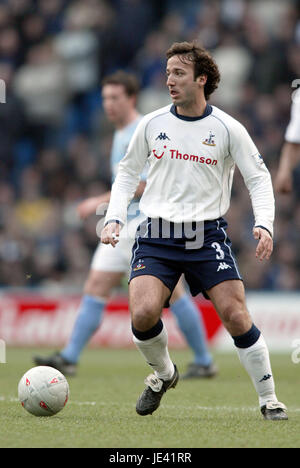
144, 317
94, 287
236, 319
234, 313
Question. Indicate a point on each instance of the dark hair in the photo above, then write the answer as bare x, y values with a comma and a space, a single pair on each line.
128, 80
203, 62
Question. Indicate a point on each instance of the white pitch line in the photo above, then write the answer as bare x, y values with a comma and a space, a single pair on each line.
80, 403
9, 399
83, 403
171, 407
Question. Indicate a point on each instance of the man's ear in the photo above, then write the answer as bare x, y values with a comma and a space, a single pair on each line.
201, 79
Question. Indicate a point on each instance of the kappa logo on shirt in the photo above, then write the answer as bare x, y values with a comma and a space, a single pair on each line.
162, 136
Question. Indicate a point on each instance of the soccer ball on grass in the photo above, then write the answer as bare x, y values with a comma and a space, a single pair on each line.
43, 391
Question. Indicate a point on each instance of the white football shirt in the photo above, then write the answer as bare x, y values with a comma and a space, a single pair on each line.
292, 134
191, 165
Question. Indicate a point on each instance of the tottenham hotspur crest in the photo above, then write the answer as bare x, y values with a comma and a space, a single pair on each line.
210, 140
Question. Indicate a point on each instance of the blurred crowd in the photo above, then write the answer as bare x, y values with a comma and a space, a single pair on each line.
55, 139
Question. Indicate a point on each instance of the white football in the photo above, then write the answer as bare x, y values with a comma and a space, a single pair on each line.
43, 391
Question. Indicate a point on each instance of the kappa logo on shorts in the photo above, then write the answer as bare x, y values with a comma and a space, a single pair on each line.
223, 266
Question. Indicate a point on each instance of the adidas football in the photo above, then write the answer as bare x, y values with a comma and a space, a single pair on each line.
43, 391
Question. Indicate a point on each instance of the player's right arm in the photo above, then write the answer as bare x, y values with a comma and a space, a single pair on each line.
89, 206
110, 233
127, 181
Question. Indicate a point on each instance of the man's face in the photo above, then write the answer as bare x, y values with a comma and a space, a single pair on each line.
116, 103
180, 80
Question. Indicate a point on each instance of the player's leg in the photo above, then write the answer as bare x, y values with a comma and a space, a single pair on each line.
228, 298
107, 268
147, 296
191, 325
97, 291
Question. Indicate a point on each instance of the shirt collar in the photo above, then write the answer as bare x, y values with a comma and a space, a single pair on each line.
207, 111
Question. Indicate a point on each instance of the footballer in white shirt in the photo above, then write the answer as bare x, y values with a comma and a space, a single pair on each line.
109, 265
192, 149
290, 153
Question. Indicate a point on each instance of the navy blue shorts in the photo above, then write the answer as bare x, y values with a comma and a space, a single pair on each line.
201, 251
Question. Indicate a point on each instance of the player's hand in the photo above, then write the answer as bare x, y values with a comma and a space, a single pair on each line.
264, 247
88, 206
110, 234
283, 182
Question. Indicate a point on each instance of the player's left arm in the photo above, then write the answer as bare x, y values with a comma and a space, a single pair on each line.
258, 181
264, 247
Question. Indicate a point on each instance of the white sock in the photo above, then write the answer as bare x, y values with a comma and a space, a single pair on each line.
155, 351
256, 361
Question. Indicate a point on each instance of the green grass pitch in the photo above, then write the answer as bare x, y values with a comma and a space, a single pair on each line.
219, 412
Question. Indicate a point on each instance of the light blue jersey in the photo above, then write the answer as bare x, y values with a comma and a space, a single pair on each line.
120, 144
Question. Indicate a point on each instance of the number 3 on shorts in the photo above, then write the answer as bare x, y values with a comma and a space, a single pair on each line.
219, 252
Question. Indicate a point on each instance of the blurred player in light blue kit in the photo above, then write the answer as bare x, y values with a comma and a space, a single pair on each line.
109, 265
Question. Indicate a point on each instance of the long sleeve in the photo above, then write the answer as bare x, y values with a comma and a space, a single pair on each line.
256, 175
292, 134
